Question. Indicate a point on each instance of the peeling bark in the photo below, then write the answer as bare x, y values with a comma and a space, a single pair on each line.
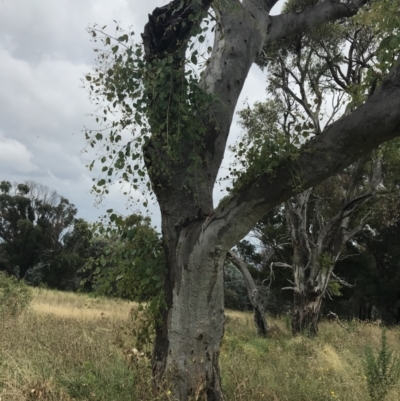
318, 244
306, 312
308, 295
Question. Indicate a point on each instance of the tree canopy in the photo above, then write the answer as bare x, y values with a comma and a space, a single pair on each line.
39, 229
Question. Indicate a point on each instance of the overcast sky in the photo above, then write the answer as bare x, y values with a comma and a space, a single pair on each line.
44, 53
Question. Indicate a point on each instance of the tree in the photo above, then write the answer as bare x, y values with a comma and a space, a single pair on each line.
159, 96
319, 221
61, 268
311, 75
126, 260
33, 221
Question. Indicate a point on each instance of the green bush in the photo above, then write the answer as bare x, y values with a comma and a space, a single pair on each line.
15, 296
382, 372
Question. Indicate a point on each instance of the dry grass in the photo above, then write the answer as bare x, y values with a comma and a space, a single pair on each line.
284, 368
79, 306
69, 347
65, 347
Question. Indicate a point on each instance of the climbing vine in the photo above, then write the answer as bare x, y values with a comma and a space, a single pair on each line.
144, 101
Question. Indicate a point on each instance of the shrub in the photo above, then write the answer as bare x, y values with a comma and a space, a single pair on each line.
382, 372
15, 295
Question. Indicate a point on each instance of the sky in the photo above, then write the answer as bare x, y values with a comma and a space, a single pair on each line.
45, 53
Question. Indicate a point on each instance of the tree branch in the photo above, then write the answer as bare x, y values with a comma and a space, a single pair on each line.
281, 264
329, 10
254, 296
244, 28
341, 281
341, 144
169, 27
261, 4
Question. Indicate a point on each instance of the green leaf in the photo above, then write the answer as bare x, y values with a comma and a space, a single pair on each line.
394, 42
123, 38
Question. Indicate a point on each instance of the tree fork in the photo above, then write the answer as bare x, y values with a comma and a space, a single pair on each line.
188, 340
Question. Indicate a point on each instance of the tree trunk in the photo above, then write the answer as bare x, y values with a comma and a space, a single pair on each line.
187, 345
309, 290
306, 312
254, 295
195, 237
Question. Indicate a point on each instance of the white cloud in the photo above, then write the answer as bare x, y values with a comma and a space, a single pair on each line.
14, 156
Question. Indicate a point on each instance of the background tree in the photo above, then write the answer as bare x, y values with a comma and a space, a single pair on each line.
156, 93
127, 260
311, 75
369, 262
62, 268
38, 228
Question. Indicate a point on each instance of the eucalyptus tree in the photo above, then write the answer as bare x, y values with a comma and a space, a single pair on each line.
180, 125
311, 76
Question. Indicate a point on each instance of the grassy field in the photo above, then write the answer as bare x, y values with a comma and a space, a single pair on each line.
70, 347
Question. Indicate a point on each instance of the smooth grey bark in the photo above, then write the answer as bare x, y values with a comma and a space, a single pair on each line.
317, 237
253, 293
318, 243
197, 238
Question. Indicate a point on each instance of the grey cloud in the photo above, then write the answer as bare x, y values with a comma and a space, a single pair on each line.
45, 52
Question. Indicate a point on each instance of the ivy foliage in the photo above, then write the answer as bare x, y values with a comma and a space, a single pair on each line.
265, 145
146, 102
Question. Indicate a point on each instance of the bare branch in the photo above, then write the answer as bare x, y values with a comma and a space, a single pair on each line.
281, 264
350, 234
333, 316
341, 281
